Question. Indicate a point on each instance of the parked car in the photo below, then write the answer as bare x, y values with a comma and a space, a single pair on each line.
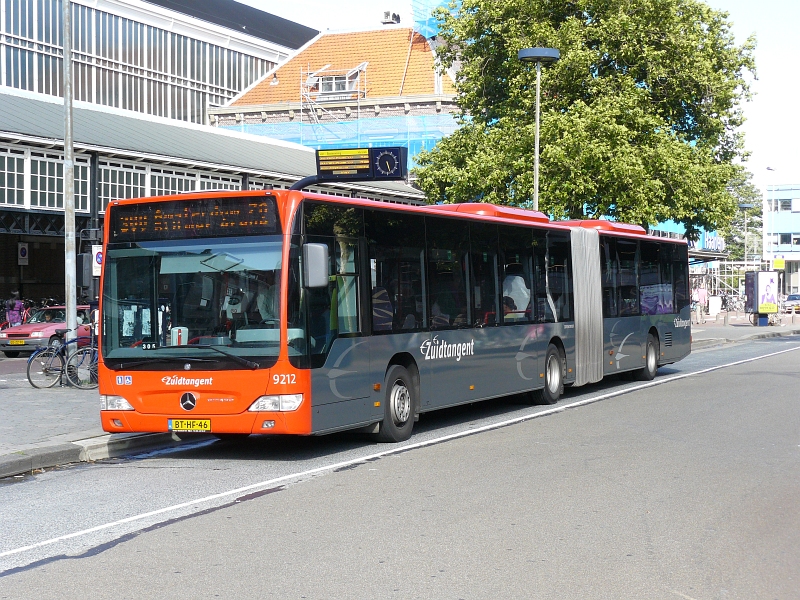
40, 330
792, 303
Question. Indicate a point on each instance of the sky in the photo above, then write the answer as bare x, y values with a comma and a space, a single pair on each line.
772, 130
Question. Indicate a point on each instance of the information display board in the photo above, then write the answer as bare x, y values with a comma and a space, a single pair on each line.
359, 164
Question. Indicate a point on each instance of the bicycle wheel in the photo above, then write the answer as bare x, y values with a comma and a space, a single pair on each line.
45, 368
82, 368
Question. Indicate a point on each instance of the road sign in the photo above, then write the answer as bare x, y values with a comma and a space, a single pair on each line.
97, 260
22, 253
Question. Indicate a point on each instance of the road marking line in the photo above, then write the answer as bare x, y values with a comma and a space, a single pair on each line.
393, 450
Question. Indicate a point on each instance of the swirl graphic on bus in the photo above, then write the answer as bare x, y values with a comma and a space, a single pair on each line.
522, 355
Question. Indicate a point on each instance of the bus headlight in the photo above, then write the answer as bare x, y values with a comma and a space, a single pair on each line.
281, 403
114, 403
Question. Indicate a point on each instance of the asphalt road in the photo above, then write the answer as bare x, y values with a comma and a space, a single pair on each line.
689, 488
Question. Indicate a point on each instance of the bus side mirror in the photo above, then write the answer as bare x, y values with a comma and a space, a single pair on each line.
315, 265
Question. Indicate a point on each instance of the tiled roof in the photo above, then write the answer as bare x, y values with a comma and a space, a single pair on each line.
398, 58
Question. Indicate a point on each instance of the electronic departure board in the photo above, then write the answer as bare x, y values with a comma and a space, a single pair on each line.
191, 219
352, 164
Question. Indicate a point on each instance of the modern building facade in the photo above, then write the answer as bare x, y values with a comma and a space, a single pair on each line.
147, 57
145, 77
781, 237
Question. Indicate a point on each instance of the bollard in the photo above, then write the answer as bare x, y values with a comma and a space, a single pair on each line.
727, 319
717, 317
793, 313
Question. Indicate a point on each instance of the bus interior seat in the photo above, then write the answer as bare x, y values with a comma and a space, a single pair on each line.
382, 314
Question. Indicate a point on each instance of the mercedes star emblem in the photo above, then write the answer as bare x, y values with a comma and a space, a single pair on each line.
188, 401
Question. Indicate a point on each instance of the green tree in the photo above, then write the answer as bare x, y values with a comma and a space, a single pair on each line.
746, 221
639, 118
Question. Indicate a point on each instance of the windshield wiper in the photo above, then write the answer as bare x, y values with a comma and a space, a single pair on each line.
150, 361
242, 361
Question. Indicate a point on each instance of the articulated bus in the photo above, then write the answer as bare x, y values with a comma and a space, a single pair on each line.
286, 312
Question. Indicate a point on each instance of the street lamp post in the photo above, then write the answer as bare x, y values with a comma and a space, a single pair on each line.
541, 56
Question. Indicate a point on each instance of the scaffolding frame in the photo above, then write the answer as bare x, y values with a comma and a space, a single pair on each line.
315, 97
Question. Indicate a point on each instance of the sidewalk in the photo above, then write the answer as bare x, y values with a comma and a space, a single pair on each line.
714, 332
40, 429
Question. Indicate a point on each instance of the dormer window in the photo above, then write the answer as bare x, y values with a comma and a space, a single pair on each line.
337, 83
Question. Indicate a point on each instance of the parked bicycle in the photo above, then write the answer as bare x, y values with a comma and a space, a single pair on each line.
55, 364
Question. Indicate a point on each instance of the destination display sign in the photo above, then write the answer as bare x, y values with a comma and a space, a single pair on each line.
187, 219
352, 164
344, 164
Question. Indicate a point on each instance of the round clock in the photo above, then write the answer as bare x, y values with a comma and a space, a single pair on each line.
387, 163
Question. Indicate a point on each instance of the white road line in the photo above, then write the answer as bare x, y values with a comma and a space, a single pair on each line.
392, 450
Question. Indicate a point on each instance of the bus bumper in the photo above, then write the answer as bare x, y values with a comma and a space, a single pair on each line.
123, 421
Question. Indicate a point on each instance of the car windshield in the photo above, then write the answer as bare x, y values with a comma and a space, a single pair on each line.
49, 315
794, 297
176, 298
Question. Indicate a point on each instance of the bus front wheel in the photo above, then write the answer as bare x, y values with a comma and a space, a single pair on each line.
398, 406
553, 376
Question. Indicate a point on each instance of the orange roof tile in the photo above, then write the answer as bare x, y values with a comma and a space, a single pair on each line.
390, 53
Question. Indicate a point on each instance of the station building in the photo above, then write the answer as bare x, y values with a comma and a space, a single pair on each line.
146, 75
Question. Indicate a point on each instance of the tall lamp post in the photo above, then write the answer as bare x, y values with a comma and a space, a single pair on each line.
745, 208
541, 56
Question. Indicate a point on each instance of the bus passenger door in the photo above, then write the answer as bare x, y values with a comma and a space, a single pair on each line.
339, 353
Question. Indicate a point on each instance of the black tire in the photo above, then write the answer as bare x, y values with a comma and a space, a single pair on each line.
82, 368
554, 372
54, 341
399, 404
11, 354
648, 371
45, 368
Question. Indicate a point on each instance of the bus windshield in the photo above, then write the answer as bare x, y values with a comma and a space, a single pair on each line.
200, 299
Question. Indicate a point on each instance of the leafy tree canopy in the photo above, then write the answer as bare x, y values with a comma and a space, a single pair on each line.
639, 118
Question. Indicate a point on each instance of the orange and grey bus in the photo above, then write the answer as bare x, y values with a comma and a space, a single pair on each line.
286, 312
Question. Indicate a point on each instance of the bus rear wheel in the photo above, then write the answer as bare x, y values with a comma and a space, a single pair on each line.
648, 371
398, 406
553, 376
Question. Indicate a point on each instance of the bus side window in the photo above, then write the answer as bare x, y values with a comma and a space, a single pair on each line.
559, 275
627, 255
680, 277
447, 249
516, 276
544, 309
483, 274
608, 275
396, 249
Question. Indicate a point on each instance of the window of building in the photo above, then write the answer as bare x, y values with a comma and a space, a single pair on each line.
121, 180
784, 238
47, 181
12, 176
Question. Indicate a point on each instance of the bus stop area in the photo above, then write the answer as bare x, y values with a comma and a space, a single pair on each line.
42, 429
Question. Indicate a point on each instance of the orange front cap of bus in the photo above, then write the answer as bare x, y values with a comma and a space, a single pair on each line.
214, 401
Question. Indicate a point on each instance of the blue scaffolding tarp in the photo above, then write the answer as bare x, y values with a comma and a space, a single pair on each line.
413, 132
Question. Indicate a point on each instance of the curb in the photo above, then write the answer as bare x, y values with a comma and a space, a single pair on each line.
708, 342
97, 448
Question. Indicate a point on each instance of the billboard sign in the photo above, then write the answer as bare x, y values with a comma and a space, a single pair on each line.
767, 292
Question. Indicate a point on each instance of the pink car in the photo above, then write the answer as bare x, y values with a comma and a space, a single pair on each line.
40, 330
